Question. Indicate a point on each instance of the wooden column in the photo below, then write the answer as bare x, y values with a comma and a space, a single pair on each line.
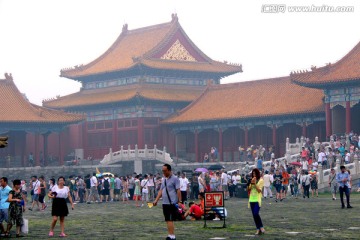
45, 150
23, 149
61, 156
114, 145
84, 139
274, 135
160, 140
221, 155
304, 129
174, 143
140, 132
328, 120
36, 152
196, 136
246, 131
348, 117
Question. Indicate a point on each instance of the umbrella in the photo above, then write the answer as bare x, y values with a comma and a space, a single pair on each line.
201, 170
296, 163
105, 173
216, 167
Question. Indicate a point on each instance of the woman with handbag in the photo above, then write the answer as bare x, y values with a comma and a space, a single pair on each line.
255, 189
137, 191
16, 208
125, 190
59, 193
42, 193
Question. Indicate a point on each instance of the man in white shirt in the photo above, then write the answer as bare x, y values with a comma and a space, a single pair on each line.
268, 180
305, 165
321, 157
144, 189
117, 189
315, 166
35, 185
236, 178
93, 189
184, 185
347, 157
151, 187
224, 184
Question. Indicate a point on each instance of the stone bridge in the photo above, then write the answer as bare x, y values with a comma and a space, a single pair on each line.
137, 156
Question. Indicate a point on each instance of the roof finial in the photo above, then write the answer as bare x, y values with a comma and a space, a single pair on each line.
8, 76
125, 27
174, 17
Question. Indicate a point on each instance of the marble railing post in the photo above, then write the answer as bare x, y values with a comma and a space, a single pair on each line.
332, 141
356, 161
164, 153
136, 151
298, 144
347, 142
121, 152
321, 174
302, 143
110, 155
128, 154
146, 151
155, 151
287, 150
337, 168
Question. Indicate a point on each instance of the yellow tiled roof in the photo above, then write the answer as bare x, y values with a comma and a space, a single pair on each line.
15, 108
139, 47
252, 99
345, 70
172, 93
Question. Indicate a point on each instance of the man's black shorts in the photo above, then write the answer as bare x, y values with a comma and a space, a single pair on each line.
170, 212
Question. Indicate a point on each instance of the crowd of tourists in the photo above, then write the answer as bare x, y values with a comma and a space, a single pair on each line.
245, 153
281, 181
340, 148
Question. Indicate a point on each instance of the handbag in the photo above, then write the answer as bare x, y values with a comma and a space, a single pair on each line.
25, 226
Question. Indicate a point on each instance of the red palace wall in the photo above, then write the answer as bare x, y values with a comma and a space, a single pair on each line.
96, 142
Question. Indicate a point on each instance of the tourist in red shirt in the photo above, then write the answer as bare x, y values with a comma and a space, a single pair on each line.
285, 184
194, 211
304, 153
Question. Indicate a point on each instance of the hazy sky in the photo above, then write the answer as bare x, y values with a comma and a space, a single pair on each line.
40, 37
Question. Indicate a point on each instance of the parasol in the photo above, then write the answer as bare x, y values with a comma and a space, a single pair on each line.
201, 170
296, 163
216, 167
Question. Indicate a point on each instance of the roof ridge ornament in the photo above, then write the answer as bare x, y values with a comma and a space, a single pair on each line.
136, 59
174, 17
125, 28
8, 76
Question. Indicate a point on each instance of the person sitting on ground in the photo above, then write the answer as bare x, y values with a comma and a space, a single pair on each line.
194, 211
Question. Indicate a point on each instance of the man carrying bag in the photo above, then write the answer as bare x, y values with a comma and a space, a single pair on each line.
170, 191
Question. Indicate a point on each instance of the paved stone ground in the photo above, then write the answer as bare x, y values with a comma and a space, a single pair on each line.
314, 218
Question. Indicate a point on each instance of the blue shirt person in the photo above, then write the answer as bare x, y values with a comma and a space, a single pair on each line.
4, 205
343, 179
259, 164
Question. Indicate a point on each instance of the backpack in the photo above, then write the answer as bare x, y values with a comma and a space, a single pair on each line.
106, 184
